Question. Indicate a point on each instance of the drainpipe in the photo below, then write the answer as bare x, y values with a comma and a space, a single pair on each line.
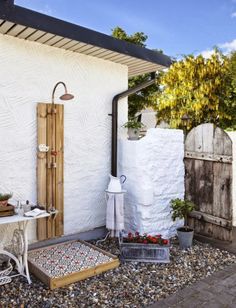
114, 115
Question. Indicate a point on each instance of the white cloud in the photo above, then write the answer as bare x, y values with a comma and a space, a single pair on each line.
228, 46
207, 53
233, 14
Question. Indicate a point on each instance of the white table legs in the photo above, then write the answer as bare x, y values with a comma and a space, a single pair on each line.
21, 257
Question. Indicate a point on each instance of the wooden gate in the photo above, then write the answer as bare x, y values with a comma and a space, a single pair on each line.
50, 168
208, 181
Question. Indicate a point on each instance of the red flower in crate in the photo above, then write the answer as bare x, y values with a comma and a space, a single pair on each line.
145, 239
165, 242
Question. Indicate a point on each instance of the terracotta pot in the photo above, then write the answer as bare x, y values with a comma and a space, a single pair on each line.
3, 203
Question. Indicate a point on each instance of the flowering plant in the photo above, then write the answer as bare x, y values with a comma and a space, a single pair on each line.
145, 239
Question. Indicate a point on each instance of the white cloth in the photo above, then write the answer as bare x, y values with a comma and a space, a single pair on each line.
115, 213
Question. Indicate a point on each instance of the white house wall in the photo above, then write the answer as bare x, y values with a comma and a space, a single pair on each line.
28, 73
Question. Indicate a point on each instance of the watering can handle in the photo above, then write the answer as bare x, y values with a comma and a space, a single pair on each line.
123, 176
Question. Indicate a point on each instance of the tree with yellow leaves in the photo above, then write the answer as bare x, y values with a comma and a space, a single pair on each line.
200, 88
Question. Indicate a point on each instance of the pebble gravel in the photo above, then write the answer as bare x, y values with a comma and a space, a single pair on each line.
130, 285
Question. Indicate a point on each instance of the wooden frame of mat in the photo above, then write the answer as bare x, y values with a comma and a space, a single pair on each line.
54, 283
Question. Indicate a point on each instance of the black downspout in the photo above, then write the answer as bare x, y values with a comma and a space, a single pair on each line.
114, 115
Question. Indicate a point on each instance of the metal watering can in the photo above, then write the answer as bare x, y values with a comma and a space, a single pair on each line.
115, 183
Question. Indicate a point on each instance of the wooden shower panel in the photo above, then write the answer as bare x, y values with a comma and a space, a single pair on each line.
51, 133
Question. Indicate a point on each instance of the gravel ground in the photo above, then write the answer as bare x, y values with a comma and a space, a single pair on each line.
130, 285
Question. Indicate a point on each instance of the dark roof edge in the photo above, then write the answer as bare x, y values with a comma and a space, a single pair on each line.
39, 21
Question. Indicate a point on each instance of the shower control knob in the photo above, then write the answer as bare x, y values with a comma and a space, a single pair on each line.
43, 148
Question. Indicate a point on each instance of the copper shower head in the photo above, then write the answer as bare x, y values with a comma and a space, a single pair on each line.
66, 96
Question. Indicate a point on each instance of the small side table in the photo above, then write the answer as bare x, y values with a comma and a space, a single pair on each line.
20, 243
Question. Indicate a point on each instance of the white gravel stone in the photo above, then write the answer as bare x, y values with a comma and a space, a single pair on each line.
130, 285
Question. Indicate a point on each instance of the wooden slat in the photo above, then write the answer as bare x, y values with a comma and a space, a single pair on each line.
26, 33
70, 44
211, 219
209, 156
59, 179
41, 169
16, 30
54, 40
49, 171
45, 38
222, 143
207, 141
222, 190
36, 35
6, 26
53, 167
83, 274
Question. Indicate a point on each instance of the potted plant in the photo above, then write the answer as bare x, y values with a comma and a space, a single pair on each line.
134, 127
4, 199
181, 209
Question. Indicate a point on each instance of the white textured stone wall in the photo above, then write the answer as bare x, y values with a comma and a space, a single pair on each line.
28, 73
155, 174
232, 136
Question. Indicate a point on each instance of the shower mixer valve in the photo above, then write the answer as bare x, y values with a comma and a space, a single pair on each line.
43, 148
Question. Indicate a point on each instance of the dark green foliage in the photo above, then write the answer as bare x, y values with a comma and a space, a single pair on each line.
133, 123
4, 197
146, 97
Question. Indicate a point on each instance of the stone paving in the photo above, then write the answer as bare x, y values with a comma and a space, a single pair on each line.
215, 291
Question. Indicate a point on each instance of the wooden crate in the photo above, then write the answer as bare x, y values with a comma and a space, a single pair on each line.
7, 210
65, 263
153, 253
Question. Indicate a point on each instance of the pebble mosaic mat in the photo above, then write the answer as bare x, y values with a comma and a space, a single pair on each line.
69, 262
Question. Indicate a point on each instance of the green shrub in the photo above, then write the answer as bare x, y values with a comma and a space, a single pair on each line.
4, 197
181, 209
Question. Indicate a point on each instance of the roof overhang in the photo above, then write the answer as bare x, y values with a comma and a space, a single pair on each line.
33, 26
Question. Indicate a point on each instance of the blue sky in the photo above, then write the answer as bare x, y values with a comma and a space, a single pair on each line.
175, 26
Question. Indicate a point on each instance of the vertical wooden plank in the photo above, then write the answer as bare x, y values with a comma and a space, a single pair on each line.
49, 174
53, 166
190, 179
204, 187
189, 144
59, 189
207, 138
41, 168
222, 190
198, 144
222, 142
218, 141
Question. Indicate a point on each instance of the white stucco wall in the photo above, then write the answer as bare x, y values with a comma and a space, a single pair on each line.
232, 135
28, 73
155, 174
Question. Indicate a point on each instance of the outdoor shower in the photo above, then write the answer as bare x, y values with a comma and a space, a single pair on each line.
66, 96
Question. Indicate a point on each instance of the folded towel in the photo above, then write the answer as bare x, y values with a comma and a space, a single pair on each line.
115, 213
